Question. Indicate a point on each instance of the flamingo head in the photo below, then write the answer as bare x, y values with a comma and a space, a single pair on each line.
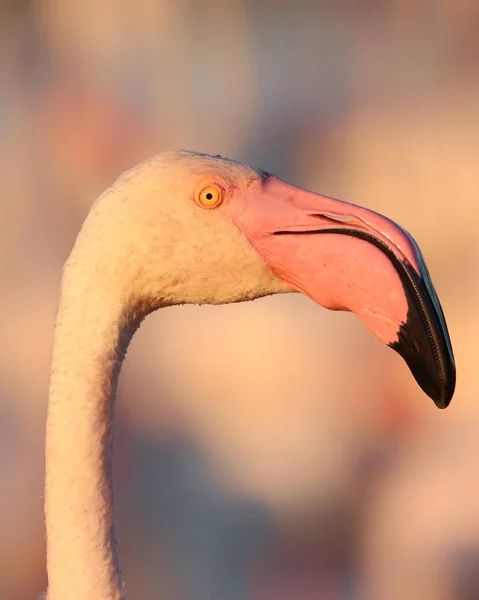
232, 233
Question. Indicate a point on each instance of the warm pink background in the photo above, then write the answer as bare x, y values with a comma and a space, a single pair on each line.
270, 451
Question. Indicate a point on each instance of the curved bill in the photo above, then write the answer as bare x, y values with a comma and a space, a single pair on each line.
423, 339
346, 257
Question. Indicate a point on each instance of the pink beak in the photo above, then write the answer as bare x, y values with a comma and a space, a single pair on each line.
346, 257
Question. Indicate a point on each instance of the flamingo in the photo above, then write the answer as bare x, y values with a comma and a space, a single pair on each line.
185, 227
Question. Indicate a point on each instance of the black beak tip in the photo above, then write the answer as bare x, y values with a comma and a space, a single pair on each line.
430, 360
444, 390
447, 389
423, 340
422, 363
443, 401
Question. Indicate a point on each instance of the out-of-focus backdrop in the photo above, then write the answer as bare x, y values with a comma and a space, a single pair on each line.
273, 450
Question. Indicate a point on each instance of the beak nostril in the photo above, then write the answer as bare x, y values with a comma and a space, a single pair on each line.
335, 218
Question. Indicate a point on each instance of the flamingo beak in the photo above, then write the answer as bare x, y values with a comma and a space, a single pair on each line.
346, 257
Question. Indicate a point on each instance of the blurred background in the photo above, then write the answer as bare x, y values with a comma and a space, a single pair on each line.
272, 450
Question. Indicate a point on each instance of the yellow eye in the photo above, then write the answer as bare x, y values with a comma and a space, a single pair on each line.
209, 196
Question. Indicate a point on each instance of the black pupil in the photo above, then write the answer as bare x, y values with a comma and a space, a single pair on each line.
209, 196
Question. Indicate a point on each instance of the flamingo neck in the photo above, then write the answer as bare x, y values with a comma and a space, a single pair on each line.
91, 337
